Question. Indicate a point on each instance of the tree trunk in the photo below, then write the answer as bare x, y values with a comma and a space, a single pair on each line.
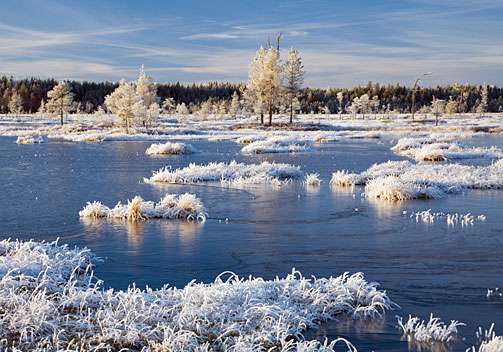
270, 115
61, 117
261, 118
291, 113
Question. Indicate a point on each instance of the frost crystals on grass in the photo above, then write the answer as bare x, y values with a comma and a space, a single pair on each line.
427, 216
185, 206
49, 302
433, 331
233, 173
29, 139
277, 145
488, 341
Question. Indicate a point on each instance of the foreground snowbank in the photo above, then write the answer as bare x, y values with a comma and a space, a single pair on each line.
229, 173
185, 206
170, 148
50, 302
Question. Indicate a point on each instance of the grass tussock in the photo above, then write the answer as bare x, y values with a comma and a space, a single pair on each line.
185, 206
51, 302
429, 332
170, 148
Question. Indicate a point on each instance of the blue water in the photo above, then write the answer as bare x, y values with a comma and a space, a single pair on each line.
260, 231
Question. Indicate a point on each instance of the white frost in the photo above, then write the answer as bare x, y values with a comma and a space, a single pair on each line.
29, 139
51, 303
170, 148
277, 145
185, 206
434, 330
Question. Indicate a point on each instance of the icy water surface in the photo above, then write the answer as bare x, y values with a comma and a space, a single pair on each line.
265, 232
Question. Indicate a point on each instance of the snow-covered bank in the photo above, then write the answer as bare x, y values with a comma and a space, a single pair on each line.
229, 173
277, 145
170, 148
50, 302
185, 206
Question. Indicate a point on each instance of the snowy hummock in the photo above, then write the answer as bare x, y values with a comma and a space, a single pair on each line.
432, 331
29, 139
170, 148
185, 206
250, 139
51, 302
450, 151
393, 188
233, 173
405, 180
277, 145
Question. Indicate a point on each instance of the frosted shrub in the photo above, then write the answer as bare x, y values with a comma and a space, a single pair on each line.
51, 302
171, 206
429, 332
228, 173
170, 148
488, 340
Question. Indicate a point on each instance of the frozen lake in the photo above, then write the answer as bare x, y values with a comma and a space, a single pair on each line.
426, 268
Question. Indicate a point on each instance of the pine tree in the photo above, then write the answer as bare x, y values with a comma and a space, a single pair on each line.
235, 104
124, 102
484, 100
169, 105
60, 100
181, 109
293, 72
452, 106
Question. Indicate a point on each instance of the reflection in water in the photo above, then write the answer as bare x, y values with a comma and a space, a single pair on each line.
386, 209
134, 234
345, 191
186, 232
417, 346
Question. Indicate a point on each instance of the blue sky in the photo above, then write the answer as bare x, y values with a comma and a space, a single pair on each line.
343, 43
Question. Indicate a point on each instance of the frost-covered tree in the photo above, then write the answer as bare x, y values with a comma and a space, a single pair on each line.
484, 100
254, 93
235, 105
169, 105
59, 100
124, 103
146, 88
16, 103
152, 114
361, 105
41, 109
293, 76
438, 107
270, 81
222, 108
452, 106
182, 110
340, 100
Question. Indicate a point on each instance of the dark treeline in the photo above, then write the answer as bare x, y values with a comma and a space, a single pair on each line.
89, 96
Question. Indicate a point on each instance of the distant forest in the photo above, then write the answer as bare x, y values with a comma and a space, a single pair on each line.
393, 98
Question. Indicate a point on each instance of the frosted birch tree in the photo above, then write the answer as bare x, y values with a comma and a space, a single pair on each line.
59, 100
253, 92
270, 83
293, 75
123, 102
147, 91
169, 105
437, 108
484, 100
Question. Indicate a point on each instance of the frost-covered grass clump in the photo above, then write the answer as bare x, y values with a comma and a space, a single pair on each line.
185, 206
170, 148
401, 180
249, 139
392, 188
488, 341
451, 151
430, 332
229, 173
50, 302
29, 139
427, 216
312, 180
277, 145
